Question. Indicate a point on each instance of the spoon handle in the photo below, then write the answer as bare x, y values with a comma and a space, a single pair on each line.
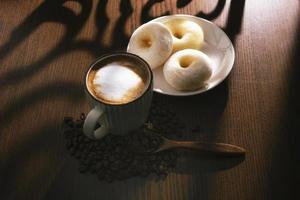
216, 148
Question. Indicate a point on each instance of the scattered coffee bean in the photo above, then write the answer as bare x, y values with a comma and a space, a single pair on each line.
121, 157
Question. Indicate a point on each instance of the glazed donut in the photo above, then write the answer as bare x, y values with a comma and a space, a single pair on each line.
152, 42
186, 34
187, 69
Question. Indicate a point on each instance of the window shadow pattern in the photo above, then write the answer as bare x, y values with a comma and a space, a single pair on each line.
54, 11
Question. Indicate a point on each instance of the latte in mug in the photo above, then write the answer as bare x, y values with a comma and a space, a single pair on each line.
119, 88
118, 82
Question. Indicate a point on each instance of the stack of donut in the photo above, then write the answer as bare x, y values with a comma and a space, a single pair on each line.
174, 45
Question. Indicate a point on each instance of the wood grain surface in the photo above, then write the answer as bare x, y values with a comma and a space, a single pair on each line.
47, 45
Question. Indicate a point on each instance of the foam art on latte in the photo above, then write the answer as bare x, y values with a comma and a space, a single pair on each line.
117, 83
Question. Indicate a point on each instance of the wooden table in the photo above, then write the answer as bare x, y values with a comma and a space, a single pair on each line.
46, 46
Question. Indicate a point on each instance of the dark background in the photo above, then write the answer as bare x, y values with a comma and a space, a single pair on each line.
46, 46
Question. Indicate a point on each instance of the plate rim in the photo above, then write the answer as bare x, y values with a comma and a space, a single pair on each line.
232, 61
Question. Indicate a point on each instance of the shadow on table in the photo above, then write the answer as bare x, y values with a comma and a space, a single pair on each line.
48, 11
235, 19
72, 91
146, 16
55, 11
31, 162
215, 12
285, 159
211, 104
197, 163
201, 113
202, 169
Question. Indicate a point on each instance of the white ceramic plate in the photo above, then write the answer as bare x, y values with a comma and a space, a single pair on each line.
217, 46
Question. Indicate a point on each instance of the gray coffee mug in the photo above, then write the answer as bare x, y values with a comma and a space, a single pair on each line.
120, 118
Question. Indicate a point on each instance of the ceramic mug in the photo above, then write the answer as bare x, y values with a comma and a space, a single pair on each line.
121, 118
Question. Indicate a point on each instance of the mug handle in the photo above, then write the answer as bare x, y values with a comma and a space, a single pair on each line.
95, 115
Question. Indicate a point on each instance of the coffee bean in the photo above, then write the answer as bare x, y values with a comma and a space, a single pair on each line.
78, 155
86, 162
121, 157
69, 133
86, 140
98, 166
68, 119
114, 167
72, 151
105, 163
107, 139
112, 158
99, 157
93, 169
83, 168
69, 144
82, 116
109, 178
118, 149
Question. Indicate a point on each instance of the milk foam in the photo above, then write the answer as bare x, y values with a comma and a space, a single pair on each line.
116, 82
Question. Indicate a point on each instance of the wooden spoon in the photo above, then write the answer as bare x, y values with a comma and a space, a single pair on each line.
222, 149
